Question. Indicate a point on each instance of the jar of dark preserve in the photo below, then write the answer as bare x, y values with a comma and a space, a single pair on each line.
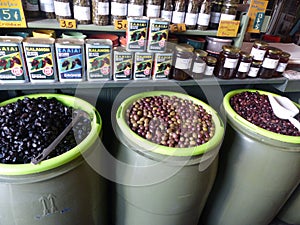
254, 68
183, 59
259, 50
215, 14
210, 66
227, 62
283, 62
243, 65
270, 63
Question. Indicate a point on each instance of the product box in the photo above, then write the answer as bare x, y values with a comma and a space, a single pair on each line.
143, 62
123, 63
12, 66
40, 59
158, 35
98, 59
70, 59
136, 34
162, 65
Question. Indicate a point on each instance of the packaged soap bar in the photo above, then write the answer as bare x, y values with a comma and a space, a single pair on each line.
123, 64
98, 59
12, 66
40, 60
136, 33
158, 35
163, 65
70, 59
143, 65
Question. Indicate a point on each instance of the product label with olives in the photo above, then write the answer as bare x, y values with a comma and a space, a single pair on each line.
136, 34
162, 65
40, 62
11, 63
69, 62
123, 62
98, 59
158, 35
143, 66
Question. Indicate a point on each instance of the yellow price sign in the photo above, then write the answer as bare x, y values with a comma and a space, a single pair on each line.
179, 27
120, 24
228, 28
12, 14
67, 24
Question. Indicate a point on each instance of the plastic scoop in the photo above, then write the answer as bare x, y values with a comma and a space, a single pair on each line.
285, 109
58, 139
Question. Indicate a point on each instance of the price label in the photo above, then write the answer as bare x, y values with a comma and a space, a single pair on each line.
179, 27
256, 14
12, 14
258, 22
228, 28
67, 24
120, 24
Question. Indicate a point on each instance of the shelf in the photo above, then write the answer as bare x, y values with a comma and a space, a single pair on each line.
134, 83
289, 86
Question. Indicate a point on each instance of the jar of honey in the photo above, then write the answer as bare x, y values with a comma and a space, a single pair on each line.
270, 63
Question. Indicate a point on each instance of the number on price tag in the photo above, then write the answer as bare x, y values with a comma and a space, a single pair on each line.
180, 27
12, 14
120, 24
67, 24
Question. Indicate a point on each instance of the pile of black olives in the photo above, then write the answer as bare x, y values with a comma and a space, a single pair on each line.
170, 121
30, 125
256, 108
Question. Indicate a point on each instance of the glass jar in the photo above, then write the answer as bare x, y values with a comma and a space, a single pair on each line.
47, 9
179, 11
183, 59
269, 63
283, 62
228, 12
191, 15
32, 8
118, 10
203, 54
227, 62
167, 10
215, 14
210, 66
259, 50
62, 9
100, 12
198, 66
254, 68
135, 8
153, 8
243, 65
204, 15
82, 11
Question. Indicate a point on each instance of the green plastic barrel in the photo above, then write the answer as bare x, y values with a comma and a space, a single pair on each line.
62, 190
289, 213
159, 184
258, 171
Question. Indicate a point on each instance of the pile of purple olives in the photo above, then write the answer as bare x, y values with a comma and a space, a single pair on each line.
170, 121
29, 125
256, 108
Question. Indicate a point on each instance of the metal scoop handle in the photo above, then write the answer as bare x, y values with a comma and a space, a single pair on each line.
58, 139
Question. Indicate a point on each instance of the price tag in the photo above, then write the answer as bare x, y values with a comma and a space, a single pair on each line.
258, 22
179, 27
256, 13
12, 14
228, 28
120, 24
67, 24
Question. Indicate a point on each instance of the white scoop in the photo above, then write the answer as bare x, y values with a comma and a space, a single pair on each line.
285, 109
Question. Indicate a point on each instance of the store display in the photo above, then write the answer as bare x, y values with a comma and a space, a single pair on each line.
123, 64
32, 8
40, 59
228, 11
183, 59
269, 63
191, 15
12, 66
167, 10
137, 33
119, 10
210, 66
70, 59
47, 8
163, 65
243, 65
135, 8
143, 62
100, 12
259, 50
82, 11
98, 59
158, 35
179, 11
198, 66
204, 15
153, 8
283, 62
215, 14
214, 44
254, 68
63, 9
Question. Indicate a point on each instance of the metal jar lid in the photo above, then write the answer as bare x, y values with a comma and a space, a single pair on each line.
285, 55
211, 59
261, 43
201, 53
274, 51
231, 49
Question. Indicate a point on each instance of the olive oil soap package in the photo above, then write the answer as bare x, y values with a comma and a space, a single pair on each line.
137, 33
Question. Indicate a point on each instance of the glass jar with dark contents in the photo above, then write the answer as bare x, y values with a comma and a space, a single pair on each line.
259, 50
228, 11
183, 59
215, 14
283, 62
254, 68
210, 66
269, 63
243, 65
227, 62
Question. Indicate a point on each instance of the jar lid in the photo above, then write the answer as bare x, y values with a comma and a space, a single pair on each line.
184, 47
231, 1
256, 63
245, 55
275, 51
231, 49
261, 43
285, 55
211, 59
217, 2
201, 53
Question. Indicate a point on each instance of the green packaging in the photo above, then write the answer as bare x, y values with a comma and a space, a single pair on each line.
143, 62
158, 35
163, 66
136, 33
123, 63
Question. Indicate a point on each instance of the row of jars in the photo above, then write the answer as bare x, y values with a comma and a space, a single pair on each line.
196, 14
262, 62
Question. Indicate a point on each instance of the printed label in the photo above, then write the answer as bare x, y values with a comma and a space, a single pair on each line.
215, 17
227, 17
253, 71
123, 62
135, 10
143, 66
166, 14
230, 63
182, 63
209, 70
40, 63
258, 54
82, 13
47, 6
270, 63
103, 8
70, 62
178, 17
136, 35
119, 9
153, 10
98, 62
162, 66
191, 19
203, 19
32, 5
198, 67
158, 36
11, 63
244, 67
281, 67
62, 8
